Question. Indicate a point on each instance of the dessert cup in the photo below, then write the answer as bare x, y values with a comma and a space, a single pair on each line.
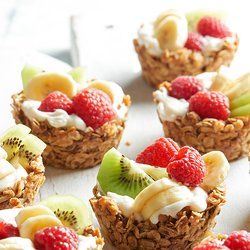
178, 233
25, 190
70, 148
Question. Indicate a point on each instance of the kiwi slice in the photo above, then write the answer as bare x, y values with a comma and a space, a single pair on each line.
122, 176
17, 142
155, 173
28, 72
78, 74
72, 211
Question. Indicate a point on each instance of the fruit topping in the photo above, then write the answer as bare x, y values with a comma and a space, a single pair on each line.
56, 100
238, 240
240, 101
56, 238
28, 72
211, 26
122, 176
217, 168
210, 104
211, 245
194, 41
159, 153
8, 230
187, 167
5, 168
44, 83
94, 107
171, 30
183, 87
78, 74
71, 211
17, 142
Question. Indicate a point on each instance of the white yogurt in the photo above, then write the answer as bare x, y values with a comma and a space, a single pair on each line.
16, 243
169, 108
87, 243
207, 79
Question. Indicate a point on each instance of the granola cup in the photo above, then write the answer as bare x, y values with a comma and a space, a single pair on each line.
70, 148
179, 233
24, 192
183, 61
232, 136
95, 232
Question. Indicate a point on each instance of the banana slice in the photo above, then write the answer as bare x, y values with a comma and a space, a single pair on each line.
32, 211
165, 198
217, 167
150, 191
33, 224
172, 32
5, 168
113, 90
3, 154
241, 85
43, 84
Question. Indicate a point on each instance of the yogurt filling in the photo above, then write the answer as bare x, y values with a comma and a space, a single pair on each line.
146, 38
196, 200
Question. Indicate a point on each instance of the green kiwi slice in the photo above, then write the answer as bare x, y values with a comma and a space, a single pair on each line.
122, 176
154, 172
72, 211
78, 74
28, 72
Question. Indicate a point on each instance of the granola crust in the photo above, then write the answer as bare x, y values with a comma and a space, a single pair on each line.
182, 62
95, 232
169, 233
24, 192
69, 148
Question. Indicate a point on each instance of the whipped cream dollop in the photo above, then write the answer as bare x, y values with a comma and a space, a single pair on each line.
87, 243
16, 243
147, 38
169, 108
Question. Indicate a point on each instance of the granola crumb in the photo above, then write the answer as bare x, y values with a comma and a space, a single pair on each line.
128, 143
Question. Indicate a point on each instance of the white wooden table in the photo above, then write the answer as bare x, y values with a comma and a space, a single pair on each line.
108, 53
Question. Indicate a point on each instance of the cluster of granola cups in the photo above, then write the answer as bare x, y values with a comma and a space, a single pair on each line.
25, 190
179, 233
172, 64
231, 136
70, 148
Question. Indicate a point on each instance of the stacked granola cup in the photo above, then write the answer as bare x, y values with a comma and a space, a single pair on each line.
164, 55
69, 147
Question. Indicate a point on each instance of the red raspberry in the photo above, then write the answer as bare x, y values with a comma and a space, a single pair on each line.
210, 104
56, 238
211, 245
185, 86
56, 100
211, 26
187, 167
194, 41
159, 153
238, 240
8, 230
94, 107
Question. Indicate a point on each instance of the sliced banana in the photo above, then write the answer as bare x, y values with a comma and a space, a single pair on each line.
32, 211
165, 198
217, 167
113, 90
155, 173
150, 191
43, 84
33, 224
3, 154
5, 168
172, 32
221, 83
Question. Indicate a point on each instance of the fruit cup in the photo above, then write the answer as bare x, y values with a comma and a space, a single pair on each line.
21, 167
144, 206
175, 44
78, 120
61, 220
208, 112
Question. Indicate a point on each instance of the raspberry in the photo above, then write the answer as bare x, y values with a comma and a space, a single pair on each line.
8, 230
159, 153
56, 100
211, 26
185, 86
94, 107
238, 240
187, 167
211, 245
210, 104
194, 41
56, 238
